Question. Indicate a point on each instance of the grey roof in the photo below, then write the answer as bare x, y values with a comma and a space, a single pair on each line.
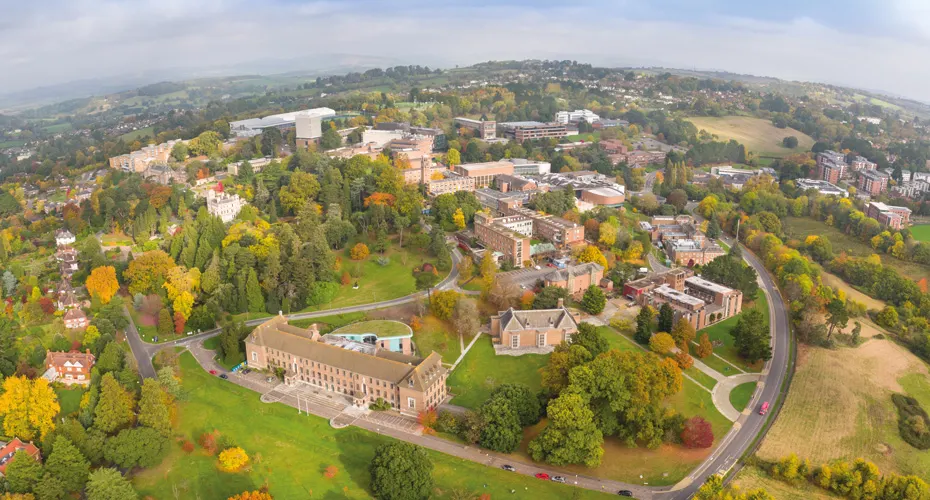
578, 270
542, 319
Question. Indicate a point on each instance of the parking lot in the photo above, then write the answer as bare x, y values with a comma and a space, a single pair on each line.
526, 277
394, 421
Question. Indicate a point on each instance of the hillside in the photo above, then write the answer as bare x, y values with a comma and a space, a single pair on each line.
758, 135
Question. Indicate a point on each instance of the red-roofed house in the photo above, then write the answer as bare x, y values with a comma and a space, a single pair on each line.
69, 367
9, 449
75, 319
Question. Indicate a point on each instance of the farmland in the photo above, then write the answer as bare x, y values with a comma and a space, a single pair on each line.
758, 135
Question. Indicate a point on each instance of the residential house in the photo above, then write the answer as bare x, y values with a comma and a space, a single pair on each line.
64, 237
8, 451
69, 367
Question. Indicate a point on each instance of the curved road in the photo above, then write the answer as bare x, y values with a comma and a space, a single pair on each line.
740, 438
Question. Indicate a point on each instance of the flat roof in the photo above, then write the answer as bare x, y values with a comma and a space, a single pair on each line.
670, 292
709, 285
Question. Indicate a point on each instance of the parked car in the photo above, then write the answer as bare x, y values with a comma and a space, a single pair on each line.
558, 479
625, 493
212, 372
509, 468
224, 376
246, 371
538, 268
269, 379
764, 409
542, 475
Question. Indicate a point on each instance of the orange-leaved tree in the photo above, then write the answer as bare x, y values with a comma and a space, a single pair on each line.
102, 283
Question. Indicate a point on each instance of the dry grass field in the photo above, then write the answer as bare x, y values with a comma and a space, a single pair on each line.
752, 478
758, 135
839, 406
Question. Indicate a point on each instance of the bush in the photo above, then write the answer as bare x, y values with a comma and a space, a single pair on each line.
233, 459
913, 422
207, 441
379, 405
359, 252
446, 422
697, 433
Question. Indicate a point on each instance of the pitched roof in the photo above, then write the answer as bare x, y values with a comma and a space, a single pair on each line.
384, 364
74, 314
75, 358
578, 270
542, 319
9, 450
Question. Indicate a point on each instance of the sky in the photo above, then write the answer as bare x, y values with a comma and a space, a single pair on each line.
872, 44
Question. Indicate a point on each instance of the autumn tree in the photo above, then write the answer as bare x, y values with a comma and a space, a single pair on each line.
102, 283
661, 343
466, 269
592, 254
571, 437
148, 272
465, 317
359, 252
233, 459
458, 218
697, 433
683, 333
442, 303
705, 348
28, 408
262, 495
427, 420
453, 157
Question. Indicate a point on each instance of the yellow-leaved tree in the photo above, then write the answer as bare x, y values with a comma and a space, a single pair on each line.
592, 254
28, 408
459, 218
233, 459
102, 283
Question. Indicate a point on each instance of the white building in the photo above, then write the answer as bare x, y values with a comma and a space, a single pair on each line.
579, 115
822, 187
254, 126
64, 237
224, 206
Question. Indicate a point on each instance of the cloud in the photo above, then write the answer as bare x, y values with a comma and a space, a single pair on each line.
56, 41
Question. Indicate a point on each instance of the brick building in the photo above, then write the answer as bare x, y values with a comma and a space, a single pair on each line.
8, 451
357, 371
699, 301
891, 216
544, 328
495, 235
872, 182
484, 173
486, 129
576, 279
450, 184
690, 253
69, 367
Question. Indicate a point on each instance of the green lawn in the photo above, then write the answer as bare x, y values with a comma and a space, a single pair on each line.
481, 371
379, 327
800, 227
137, 134
721, 332
289, 453
701, 377
717, 363
921, 232
741, 395
69, 398
327, 324
437, 335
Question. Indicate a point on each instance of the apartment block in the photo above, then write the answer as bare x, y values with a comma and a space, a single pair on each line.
872, 182
891, 216
484, 173
860, 163
357, 371
526, 130
497, 237
138, 161
831, 166
487, 129
450, 184
556, 230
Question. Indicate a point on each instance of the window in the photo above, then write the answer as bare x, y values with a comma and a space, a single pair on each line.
411, 403
541, 339
254, 356
514, 341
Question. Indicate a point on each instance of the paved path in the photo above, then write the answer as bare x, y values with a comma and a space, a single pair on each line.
721, 395
654, 264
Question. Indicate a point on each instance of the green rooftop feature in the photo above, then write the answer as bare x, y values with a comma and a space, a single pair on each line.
380, 327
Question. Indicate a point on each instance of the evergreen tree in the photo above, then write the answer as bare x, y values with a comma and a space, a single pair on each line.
23, 473
666, 318
165, 324
644, 325
594, 300
67, 465
254, 293
154, 411
116, 406
751, 336
109, 484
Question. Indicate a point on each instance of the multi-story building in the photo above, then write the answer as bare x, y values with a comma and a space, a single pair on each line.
822, 187
487, 129
542, 329
161, 173
831, 166
861, 163
613, 146
576, 279
495, 236
591, 188
507, 183
557, 230
224, 205
484, 173
699, 301
690, 253
8, 451
138, 161
450, 184
282, 121
639, 158
872, 182
357, 371
892, 216
69, 367
579, 115
75, 319
526, 130
913, 189
522, 166
665, 228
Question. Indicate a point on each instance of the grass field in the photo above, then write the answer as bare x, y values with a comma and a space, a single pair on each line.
701, 377
137, 134
481, 371
720, 332
437, 335
289, 453
800, 227
741, 394
379, 327
69, 399
839, 406
752, 478
921, 232
376, 282
758, 135
327, 324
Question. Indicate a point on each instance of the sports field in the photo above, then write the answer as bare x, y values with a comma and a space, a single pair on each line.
758, 135
921, 232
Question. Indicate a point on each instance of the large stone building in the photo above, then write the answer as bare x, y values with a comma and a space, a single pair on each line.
543, 328
690, 253
700, 301
576, 279
138, 161
357, 371
223, 205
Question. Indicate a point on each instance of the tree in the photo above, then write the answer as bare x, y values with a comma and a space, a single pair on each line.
50, 488
684, 360
330, 139
790, 142
751, 336
887, 317
713, 228
592, 254
116, 407
683, 333
607, 233
264, 495
442, 303
67, 465
661, 343
705, 348
302, 188
644, 324
28, 408
23, 472
523, 401
154, 410
136, 447
571, 437
179, 152
109, 484
666, 317
111, 360
165, 324
148, 272
453, 158
458, 218
837, 315
591, 339
594, 300
466, 269
233, 459
856, 332
466, 318
502, 431
102, 283
401, 471
359, 252
563, 359
548, 297
254, 292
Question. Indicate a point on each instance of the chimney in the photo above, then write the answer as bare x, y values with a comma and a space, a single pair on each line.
560, 304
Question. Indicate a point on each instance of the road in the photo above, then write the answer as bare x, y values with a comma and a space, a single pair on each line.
144, 351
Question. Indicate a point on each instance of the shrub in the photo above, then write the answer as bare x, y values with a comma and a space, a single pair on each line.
913, 422
697, 433
446, 422
207, 441
233, 459
331, 472
359, 252
187, 446
379, 405
684, 360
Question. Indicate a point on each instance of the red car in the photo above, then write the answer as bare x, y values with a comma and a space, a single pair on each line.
764, 409
212, 372
542, 475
